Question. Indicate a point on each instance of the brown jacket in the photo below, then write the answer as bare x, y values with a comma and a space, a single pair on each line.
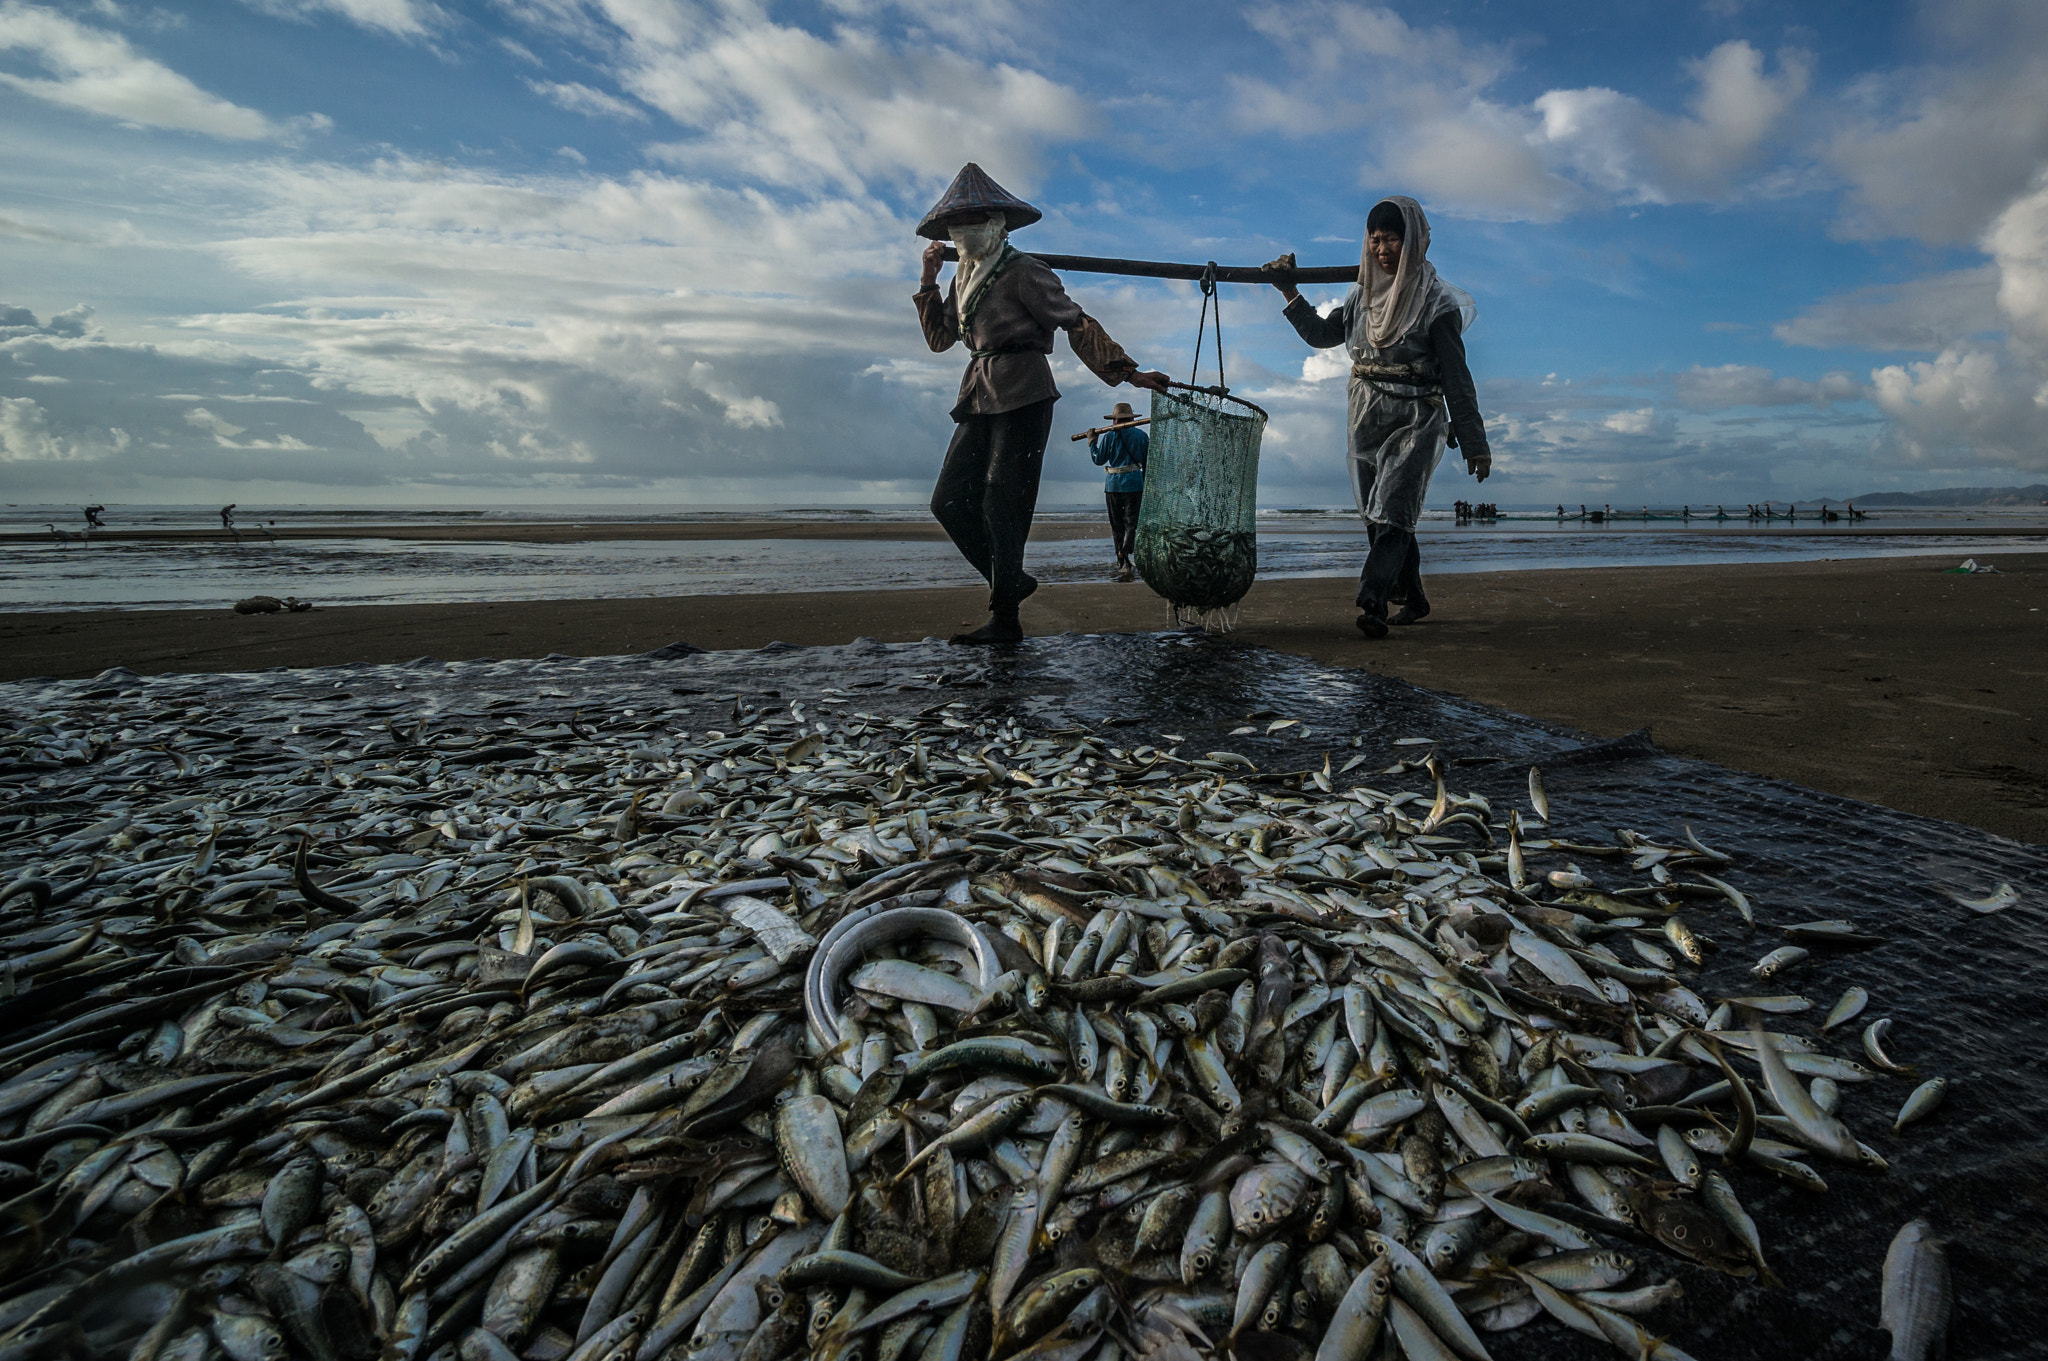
1010, 334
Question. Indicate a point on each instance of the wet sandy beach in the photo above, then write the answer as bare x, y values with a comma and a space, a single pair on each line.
1886, 680
919, 530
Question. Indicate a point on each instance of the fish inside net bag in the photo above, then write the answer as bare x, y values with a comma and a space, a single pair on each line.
1197, 541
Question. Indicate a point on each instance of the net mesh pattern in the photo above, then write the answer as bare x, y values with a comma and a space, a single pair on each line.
1197, 541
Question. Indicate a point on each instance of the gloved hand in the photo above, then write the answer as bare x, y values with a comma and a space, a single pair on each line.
1285, 265
1478, 463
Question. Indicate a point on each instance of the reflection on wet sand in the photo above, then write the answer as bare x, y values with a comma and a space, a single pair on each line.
159, 574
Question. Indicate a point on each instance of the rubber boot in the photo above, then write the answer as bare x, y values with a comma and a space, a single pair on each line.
1415, 605
1003, 626
1383, 574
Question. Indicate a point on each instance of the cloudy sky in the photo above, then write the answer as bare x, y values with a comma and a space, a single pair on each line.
660, 251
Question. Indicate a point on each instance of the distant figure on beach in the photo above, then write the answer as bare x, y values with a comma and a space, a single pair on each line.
1120, 452
92, 518
1006, 306
227, 516
1405, 328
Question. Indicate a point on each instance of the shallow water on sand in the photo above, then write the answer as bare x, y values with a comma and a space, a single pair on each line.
186, 574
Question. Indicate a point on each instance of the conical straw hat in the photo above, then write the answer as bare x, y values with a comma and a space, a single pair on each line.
972, 191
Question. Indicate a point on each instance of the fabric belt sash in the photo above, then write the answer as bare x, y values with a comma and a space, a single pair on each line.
1405, 375
1129, 468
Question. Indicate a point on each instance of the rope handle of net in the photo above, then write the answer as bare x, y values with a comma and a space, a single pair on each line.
1210, 297
1218, 391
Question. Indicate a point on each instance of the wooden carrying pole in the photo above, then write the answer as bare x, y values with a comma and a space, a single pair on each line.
1105, 429
1162, 269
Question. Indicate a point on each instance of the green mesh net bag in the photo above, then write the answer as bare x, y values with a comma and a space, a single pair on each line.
1197, 536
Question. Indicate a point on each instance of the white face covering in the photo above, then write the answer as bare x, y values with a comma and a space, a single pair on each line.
1394, 303
979, 244
978, 240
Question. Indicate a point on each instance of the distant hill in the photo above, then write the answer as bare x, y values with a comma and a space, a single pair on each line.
1959, 496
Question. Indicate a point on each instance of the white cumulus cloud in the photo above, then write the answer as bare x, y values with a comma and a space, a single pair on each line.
1929, 313
28, 436
1723, 386
1618, 144
2018, 243
398, 18
1418, 106
786, 107
1935, 151
99, 72
579, 98
1964, 406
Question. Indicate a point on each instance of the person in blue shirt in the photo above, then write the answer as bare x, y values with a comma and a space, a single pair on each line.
1120, 451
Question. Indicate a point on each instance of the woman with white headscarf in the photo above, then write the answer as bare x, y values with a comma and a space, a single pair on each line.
1405, 328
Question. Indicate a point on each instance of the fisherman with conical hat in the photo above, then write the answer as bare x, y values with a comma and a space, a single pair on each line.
1120, 452
1405, 328
1005, 305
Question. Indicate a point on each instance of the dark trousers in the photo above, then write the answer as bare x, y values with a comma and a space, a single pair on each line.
987, 492
1123, 520
1393, 570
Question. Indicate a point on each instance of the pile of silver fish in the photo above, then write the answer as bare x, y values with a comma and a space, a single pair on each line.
836, 1034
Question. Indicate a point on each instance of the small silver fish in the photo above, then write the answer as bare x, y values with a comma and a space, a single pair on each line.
1913, 1305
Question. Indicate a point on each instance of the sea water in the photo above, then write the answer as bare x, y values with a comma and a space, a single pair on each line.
107, 573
